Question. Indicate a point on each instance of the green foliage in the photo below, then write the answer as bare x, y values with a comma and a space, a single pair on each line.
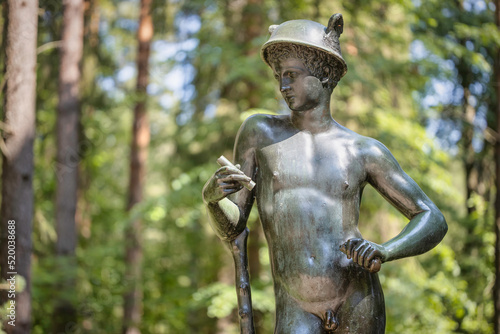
220, 302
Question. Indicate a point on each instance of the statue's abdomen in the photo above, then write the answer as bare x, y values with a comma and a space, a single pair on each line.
304, 230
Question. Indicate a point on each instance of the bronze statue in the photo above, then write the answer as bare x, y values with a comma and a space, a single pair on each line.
310, 173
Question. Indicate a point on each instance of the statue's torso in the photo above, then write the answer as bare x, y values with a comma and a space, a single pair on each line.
308, 194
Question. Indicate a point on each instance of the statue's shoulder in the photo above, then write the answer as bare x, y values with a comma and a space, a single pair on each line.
366, 147
373, 152
262, 124
260, 130
264, 120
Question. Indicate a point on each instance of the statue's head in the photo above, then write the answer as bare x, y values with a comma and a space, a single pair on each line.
316, 45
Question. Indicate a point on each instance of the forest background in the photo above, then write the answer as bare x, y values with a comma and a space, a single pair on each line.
135, 101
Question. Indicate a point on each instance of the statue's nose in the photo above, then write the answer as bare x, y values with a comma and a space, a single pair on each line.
284, 85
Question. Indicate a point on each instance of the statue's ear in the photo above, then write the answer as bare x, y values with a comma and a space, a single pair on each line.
272, 28
336, 23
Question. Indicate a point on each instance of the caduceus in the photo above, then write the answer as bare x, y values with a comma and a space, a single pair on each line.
238, 248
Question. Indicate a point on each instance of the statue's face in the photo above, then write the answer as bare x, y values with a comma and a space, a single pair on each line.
300, 89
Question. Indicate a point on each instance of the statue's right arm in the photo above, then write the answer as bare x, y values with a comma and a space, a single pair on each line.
228, 202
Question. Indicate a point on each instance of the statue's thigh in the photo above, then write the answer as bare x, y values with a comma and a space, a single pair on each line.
364, 315
291, 319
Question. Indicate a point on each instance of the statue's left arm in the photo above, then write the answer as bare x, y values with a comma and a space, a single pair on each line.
427, 226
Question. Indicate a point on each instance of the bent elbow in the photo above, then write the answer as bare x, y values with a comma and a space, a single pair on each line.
441, 227
444, 225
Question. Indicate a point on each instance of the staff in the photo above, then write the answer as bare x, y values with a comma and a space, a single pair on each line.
238, 248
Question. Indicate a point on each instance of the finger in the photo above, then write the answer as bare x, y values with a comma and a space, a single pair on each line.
230, 191
354, 254
349, 248
221, 172
350, 245
230, 182
368, 257
373, 255
362, 257
353, 243
346, 248
375, 265
235, 177
231, 187
226, 170
357, 251
223, 182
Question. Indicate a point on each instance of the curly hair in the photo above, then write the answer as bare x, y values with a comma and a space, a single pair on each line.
319, 63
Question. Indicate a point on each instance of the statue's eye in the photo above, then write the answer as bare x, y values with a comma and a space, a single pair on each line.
292, 75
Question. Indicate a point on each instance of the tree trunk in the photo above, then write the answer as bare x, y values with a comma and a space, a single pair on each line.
68, 112
92, 25
88, 92
253, 27
469, 155
138, 157
250, 27
3, 36
17, 169
496, 291
68, 116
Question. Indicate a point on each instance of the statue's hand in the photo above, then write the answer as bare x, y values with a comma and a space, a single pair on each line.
225, 181
367, 254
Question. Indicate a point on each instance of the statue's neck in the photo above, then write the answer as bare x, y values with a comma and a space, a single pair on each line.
314, 120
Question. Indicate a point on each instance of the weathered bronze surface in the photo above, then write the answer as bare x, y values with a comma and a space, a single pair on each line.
310, 173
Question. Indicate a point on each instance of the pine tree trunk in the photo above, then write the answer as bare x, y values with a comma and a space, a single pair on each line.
250, 27
67, 129
138, 157
253, 27
68, 113
88, 90
17, 168
469, 155
496, 291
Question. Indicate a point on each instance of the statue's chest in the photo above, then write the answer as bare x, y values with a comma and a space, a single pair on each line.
304, 160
